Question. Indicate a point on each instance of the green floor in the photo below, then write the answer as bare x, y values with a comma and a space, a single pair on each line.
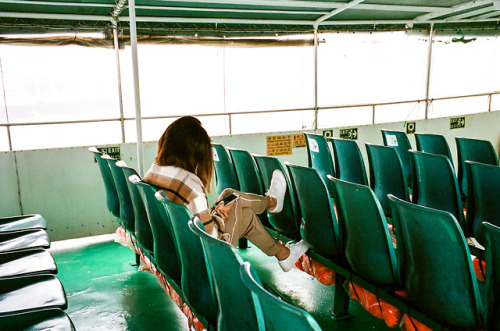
105, 292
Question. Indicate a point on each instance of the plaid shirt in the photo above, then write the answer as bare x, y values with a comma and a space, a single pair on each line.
185, 188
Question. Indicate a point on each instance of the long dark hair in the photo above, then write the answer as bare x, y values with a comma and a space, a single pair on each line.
186, 144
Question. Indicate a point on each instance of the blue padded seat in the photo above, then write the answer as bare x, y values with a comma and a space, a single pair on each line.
18, 240
29, 293
287, 222
27, 262
22, 222
53, 319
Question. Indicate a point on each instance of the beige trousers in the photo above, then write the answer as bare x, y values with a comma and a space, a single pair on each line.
242, 221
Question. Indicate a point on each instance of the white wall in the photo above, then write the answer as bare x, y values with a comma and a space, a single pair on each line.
65, 186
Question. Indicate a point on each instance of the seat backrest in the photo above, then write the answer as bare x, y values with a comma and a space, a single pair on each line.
477, 150
386, 174
482, 203
196, 280
492, 257
435, 184
368, 246
246, 171
435, 265
126, 209
248, 176
287, 221
234, 298
319, 156
433, 143
112, 201
399, 140
276, 313
224, 169
349, 164
165, 250
143, 233
318, 223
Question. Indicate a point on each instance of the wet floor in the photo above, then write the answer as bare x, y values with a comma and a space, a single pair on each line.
106, 292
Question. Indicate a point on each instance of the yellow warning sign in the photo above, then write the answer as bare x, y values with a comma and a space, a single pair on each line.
299, 140
279, 145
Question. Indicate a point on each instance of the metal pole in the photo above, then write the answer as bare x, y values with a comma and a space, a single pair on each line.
119, 77
135, 70
429, 64
373, 114
5, 105
490, 96
315, 77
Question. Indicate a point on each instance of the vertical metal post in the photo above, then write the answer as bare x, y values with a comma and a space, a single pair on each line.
315, 77
224, 87
490, 96
373, 114
429, 65
119, 77
5, 105
135, 70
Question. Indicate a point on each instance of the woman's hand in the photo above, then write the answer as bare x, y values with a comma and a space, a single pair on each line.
222, 210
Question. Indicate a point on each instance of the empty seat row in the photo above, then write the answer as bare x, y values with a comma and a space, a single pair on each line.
31, 296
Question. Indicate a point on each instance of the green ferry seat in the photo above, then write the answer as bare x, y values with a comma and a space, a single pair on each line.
25, 239
435, 185
348, 161
143, 234
319, 157
235, 302
112, 201
166, 258
22, 222
126, 208
386, 175
492, 254
476, 150
29, 293
399, 140
248, 176
276, 313
53, 319
433, 143
318, 222
225, 173
287, 222
26, 262
483, 182
368, 245
196, 279
435, 265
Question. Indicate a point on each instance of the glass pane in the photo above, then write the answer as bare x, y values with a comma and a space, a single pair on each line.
363, 68
462, 106
59, 83
272, 122
495, 102
174, 80
465, 68
4, 139
400, 112
339, 117
269, 78
154, 128
65, 135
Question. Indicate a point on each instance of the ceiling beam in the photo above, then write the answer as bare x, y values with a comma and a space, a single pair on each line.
488, 15
59, 17
451, 10
471, 13
337, 11
57, 3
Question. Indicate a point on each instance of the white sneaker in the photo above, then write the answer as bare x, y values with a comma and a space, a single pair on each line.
277, 190
296, 251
